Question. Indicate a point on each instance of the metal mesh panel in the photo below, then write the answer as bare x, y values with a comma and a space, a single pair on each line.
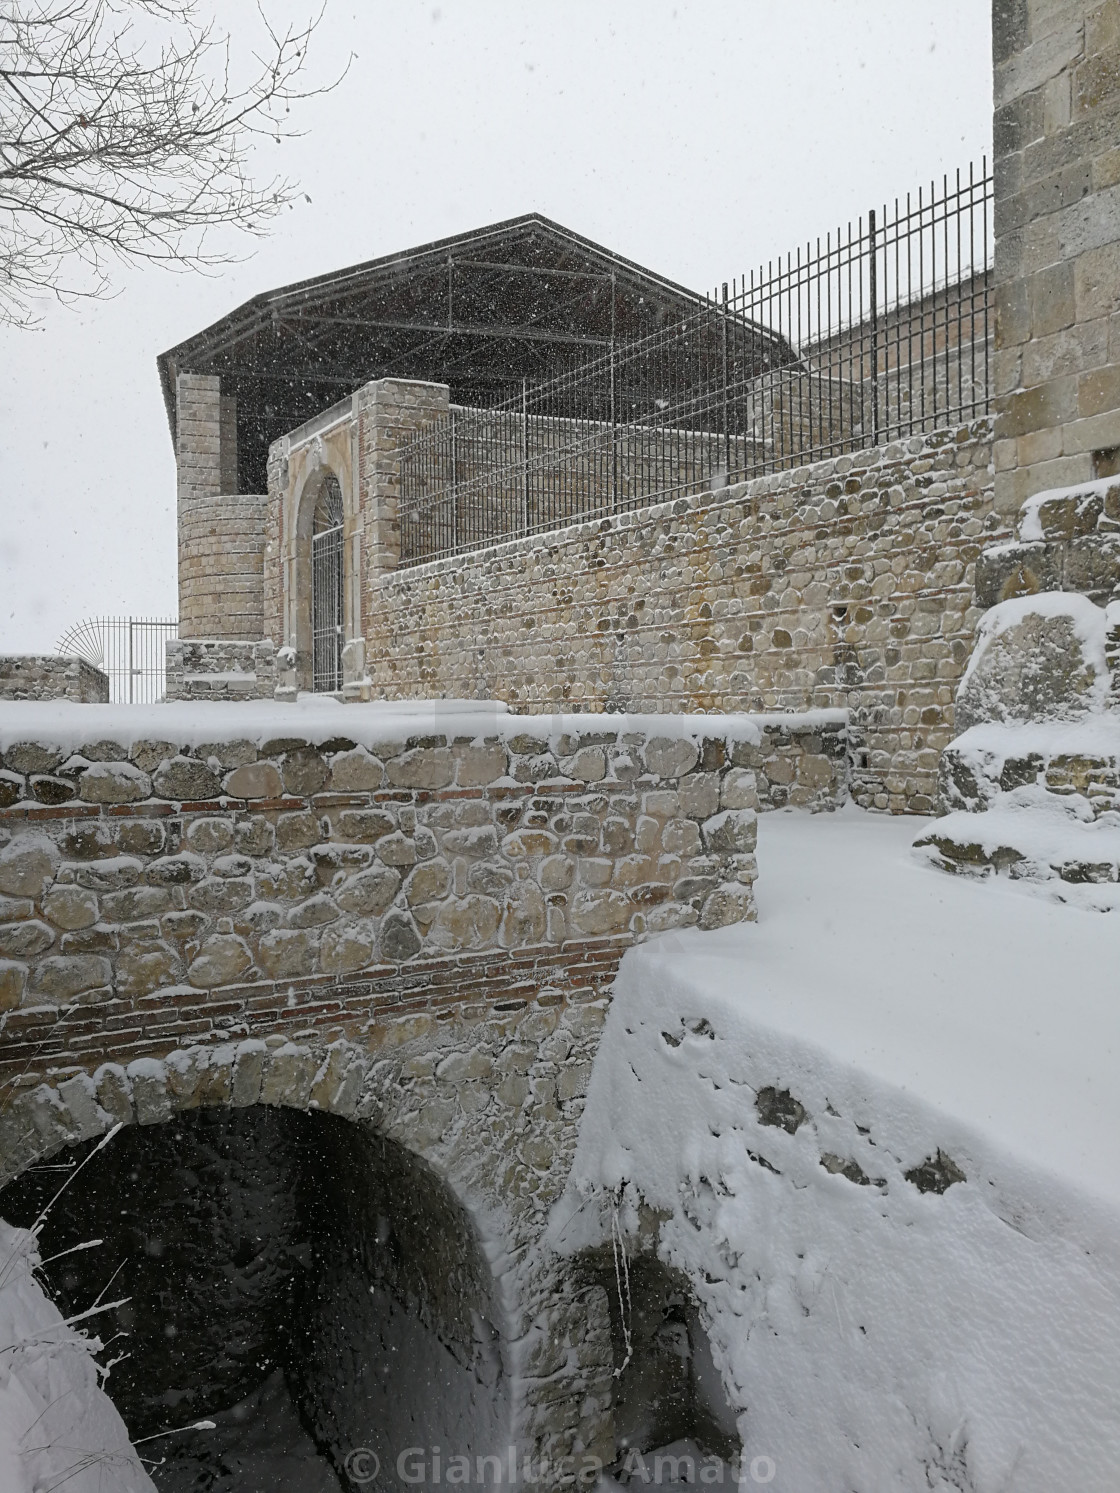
129, 649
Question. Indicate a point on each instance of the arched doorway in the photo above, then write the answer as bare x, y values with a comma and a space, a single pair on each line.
327, 587
312, 1287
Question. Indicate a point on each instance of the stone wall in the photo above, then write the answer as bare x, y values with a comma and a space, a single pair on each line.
847, 584
46, 676
1057, 226
222, 533
217, 669
168, 891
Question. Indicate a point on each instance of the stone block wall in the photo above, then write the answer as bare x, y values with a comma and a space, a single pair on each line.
217, 669
155, 892
47, 676
847, 584
222, 533
1057, 256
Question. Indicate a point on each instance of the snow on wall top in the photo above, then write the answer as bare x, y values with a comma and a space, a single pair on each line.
316, 719
1030, 514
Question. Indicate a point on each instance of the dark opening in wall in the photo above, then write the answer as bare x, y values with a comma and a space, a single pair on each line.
667, 1387
1106, 463
309, 1285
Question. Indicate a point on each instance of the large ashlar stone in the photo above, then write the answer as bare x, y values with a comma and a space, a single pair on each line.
524, 920
732, 832
255, 780
185, 778
422, 767
670, 756
729, 903
355, 772
286, 952
62, 977
222, 960
468, 922
27, 865
479, 766
1037, 658
345, 948
369, 893
114, 783
13, 982
398, 938
25, 940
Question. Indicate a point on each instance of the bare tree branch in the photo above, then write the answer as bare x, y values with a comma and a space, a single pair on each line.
122, 136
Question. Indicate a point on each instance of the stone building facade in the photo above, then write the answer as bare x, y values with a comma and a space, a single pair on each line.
1057, 222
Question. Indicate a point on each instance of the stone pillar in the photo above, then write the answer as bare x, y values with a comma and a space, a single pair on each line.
388, 411
1057, 254
221, 531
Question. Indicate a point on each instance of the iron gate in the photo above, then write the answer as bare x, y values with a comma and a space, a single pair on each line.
129, 649
326, 589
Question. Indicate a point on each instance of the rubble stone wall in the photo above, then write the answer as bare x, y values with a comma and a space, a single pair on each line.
47, 676
159, 895
846, 584
218, 669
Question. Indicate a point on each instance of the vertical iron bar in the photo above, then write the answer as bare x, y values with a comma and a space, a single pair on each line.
873, 296
726, 423
524, 455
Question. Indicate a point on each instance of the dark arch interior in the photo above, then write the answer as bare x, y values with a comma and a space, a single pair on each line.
311, 1286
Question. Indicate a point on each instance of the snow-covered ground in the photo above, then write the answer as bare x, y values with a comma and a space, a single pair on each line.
876, 1333
58, 1429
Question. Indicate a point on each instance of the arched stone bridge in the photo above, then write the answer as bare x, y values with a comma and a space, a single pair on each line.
413, 927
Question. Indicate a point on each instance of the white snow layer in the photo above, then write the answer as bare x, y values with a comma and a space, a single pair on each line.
58, 1428
65, 724
876, 1337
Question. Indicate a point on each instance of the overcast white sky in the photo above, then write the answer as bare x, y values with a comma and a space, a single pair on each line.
696, 138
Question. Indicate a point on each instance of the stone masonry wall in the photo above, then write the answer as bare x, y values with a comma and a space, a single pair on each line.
216, 669
46, 676
1057, 254
847, 584
156, 894
222, 533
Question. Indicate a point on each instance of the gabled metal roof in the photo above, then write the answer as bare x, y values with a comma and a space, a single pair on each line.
526, 298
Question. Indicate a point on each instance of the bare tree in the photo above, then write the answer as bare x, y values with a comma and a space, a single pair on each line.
123, 135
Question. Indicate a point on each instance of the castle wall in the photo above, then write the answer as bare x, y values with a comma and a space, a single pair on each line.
47, 676
1057, 256
847, 584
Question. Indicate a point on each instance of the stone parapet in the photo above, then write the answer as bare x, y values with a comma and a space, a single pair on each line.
1067, 540
163, 887
218, 669
47, 676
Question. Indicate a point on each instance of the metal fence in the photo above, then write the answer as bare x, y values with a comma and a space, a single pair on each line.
129, 649
878, 331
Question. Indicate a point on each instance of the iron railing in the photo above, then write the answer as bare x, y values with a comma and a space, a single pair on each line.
129, 649
879, 331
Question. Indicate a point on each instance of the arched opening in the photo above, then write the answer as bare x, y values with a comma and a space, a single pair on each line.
327, 598
309, 1285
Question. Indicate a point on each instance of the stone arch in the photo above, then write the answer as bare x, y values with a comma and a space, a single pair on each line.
420, 1292
318, 477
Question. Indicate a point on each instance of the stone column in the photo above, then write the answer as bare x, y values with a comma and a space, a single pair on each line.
388, 411
221, 531
1057, 255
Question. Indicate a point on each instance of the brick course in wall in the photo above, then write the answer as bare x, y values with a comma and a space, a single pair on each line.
845, 584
